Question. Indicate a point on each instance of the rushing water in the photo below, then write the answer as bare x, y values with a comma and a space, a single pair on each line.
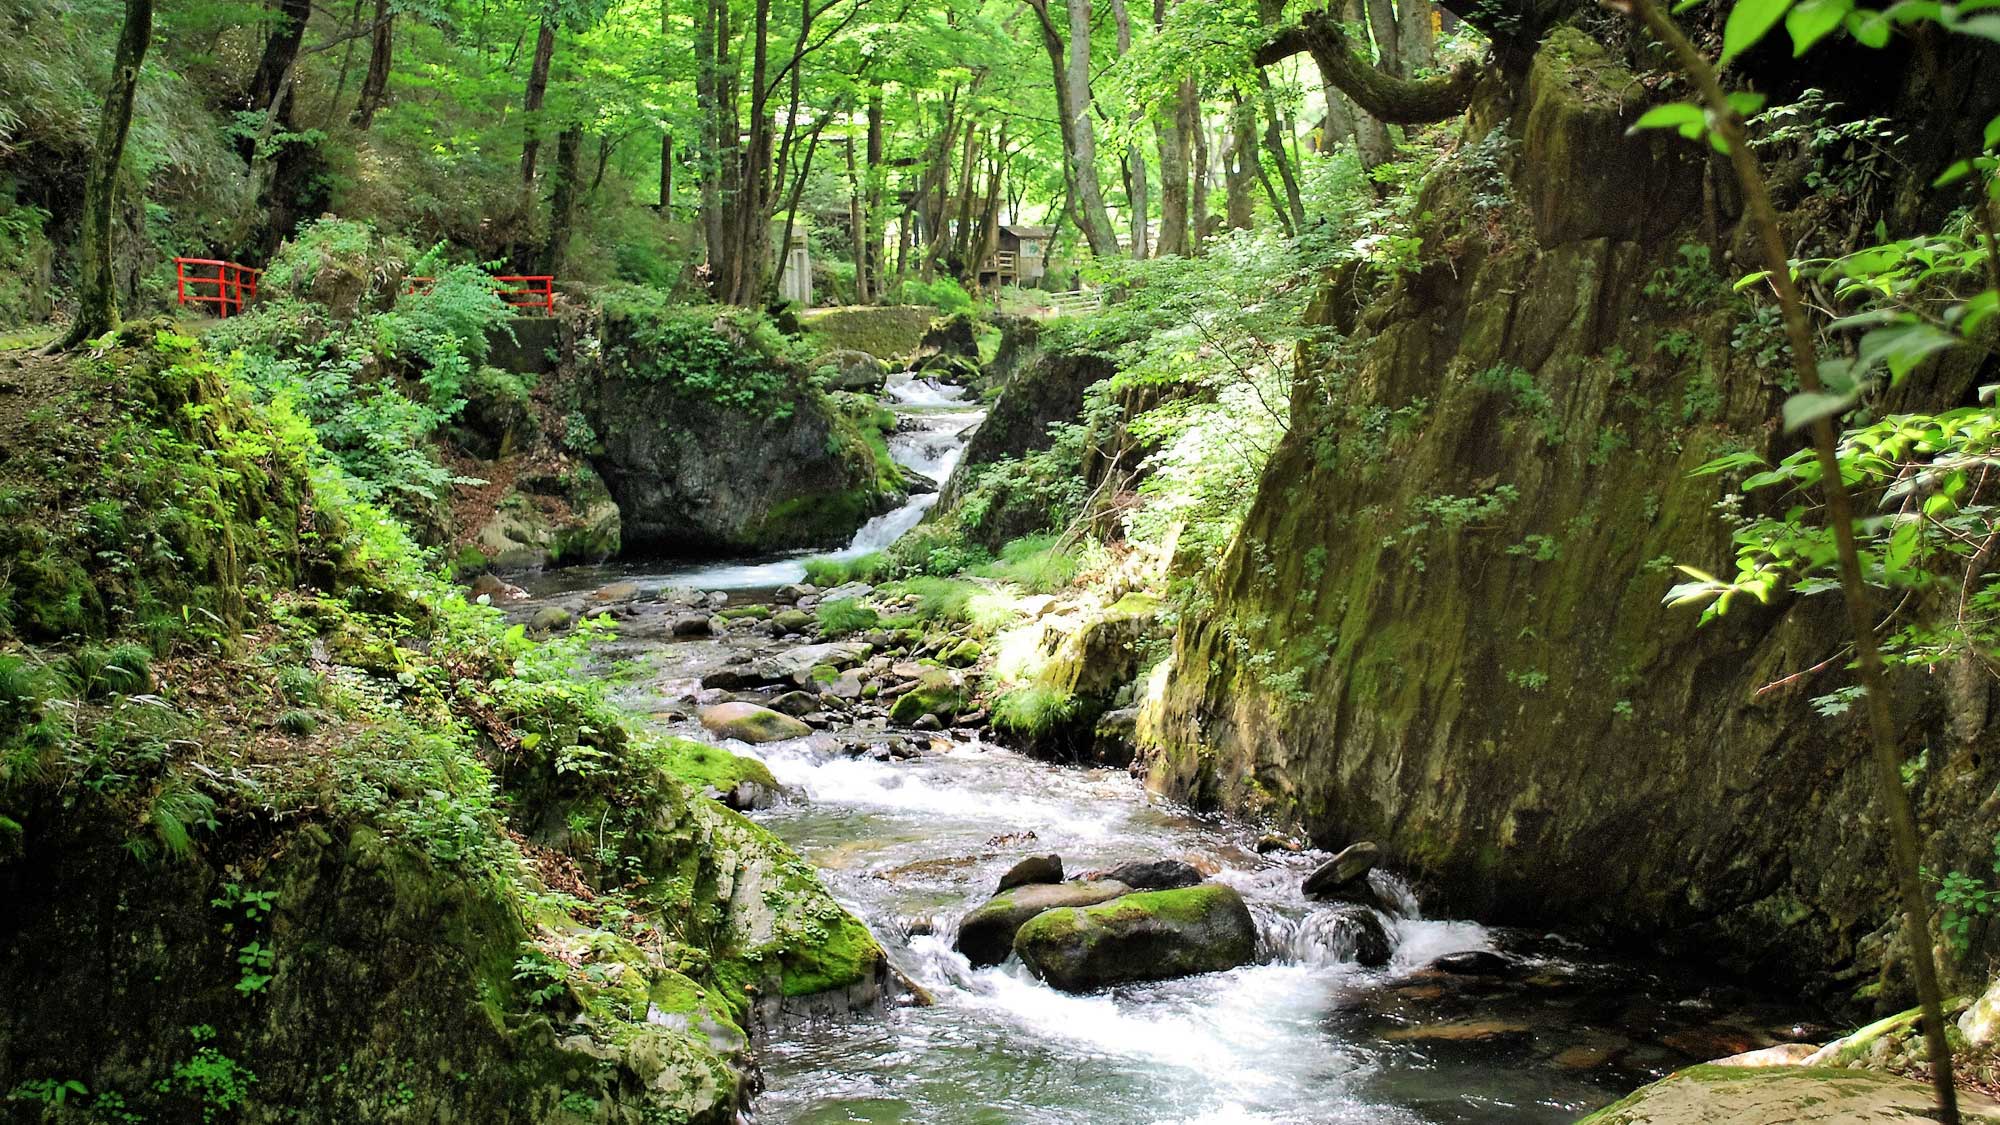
1303, 1036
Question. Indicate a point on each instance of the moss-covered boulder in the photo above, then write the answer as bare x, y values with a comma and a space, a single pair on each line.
1147, 935
736, 781
747, 722
986, 935
1731, 1095
939, 694
890, 333
850, 370
714, 437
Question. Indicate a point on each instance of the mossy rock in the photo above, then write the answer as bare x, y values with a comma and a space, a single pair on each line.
718, 773
986, 935
1732, 1095
1147, 935
747, 722
939, 693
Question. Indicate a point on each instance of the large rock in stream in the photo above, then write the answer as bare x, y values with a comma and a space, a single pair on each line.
1147, 935
747, 722
1732, 1095
986, 935
711, 446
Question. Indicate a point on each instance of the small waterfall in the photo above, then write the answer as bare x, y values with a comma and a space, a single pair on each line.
929, 440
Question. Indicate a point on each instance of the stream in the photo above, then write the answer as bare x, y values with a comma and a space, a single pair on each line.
1302, 1036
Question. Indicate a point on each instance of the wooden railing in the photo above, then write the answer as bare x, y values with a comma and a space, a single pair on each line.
219, 285
523, 291
1081, 301
1003, 262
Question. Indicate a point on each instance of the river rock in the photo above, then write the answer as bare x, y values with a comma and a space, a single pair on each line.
496, 590
549, 619
847, 590
788, 621
616, 592
1351, 864
848, 369
1475, 963
986, 935
1032, 870
1714, 1095
1154, 874
797, 704
693, 625
1347, 932
1146, 935
747, 722
790, 594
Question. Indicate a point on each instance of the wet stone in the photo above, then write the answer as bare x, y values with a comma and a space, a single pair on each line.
1034, 869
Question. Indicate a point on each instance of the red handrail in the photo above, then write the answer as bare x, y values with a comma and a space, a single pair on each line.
232, 284
529, 291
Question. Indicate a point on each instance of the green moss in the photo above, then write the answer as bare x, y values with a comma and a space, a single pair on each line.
709, 767
888, 332
753, 612
936, 695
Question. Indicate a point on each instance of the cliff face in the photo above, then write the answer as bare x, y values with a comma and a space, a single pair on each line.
1441, 625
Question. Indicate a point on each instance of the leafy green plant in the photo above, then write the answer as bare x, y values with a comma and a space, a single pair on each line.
1033, 710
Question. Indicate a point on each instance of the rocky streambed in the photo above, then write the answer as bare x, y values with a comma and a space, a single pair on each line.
1349, 1005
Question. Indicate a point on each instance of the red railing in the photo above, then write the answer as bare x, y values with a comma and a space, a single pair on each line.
523, 291
208, 281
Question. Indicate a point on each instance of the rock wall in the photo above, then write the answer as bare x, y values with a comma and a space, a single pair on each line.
1441, 625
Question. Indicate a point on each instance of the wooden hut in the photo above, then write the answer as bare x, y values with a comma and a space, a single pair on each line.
1020, 259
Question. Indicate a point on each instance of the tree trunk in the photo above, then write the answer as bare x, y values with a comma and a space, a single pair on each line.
878, 216
857, 225
1135, 156
346, 65
1190, 108
666, 206
1170, 130
1415, 38
1274, 143
279, 51
97, 285
1238, 160
562, 199
1079, 136
375, 87
532, 97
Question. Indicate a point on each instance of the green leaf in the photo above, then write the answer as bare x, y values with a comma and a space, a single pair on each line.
1673, 115
1749, 279
1745, 102
1748, 22
1956, 171
1985, 27
1903, 346
1869, 28
1813, 20
1992, 132
1807, 407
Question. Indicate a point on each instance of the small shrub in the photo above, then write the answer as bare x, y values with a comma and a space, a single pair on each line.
128, 669
298, 722
945, 295
299, 685
842, 616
